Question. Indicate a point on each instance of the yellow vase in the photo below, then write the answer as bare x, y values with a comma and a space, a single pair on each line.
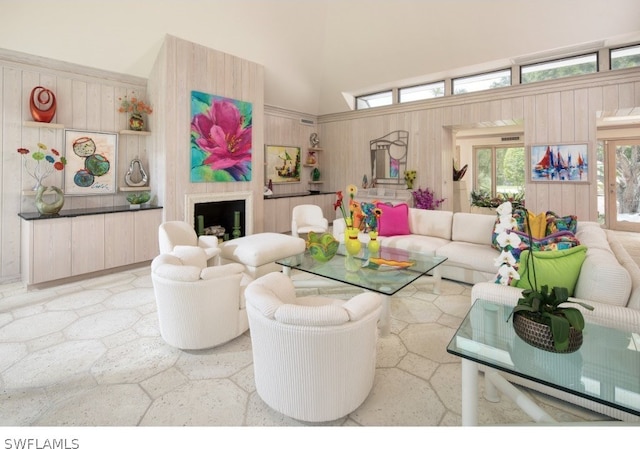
374, 243
351, 241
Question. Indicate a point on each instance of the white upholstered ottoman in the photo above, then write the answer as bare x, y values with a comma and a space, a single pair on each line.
258, 252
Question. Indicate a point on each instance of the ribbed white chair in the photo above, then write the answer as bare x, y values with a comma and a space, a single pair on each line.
198, 306
314, 358
306, 218
174, 233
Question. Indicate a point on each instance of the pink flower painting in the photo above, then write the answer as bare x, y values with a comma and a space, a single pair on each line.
220, 139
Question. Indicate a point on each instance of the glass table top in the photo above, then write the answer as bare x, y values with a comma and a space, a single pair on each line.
360, 271
605, 369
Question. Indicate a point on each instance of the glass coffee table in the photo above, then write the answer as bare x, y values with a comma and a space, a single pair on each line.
606, 368
359, 271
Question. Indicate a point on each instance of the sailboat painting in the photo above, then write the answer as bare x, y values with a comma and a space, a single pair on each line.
560, 163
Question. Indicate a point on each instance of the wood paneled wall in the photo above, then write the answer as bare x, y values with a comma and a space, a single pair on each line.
87, 99
180, 68
552, 112
285, 128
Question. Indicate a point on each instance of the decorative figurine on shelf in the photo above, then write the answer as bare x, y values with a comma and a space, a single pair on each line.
311, 158
365, 182
136, 176
315, 174
44, 98
315, 141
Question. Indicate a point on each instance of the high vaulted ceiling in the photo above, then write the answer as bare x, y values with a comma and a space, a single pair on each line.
316, 51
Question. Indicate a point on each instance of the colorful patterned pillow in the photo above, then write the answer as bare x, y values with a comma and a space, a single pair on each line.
556, 223
558, 241
369, 221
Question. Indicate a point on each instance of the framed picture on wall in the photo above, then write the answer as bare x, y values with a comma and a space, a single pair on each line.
559, 163
283, 164
91, 162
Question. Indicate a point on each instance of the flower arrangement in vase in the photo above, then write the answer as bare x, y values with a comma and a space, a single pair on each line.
425, 199
42, 162
351, 232
136, 108
39, 166
409, 177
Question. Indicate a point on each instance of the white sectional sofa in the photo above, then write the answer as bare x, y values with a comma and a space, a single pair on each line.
464, 238
609, 279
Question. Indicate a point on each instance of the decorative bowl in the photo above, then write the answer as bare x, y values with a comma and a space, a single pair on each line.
322, 247
136, 199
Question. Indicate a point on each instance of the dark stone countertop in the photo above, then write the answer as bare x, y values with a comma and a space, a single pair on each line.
293, 195
80, 212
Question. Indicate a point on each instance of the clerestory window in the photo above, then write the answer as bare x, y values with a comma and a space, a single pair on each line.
559, 68
623, 58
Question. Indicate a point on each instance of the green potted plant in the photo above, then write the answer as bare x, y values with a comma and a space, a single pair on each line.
542, 322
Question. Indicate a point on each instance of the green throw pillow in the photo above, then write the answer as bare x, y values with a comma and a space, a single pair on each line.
559, 268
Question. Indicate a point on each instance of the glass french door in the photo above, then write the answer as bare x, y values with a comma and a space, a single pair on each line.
622, 181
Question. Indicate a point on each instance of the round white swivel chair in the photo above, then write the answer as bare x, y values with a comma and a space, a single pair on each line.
174, 233
306, 218
314, 358
198, 306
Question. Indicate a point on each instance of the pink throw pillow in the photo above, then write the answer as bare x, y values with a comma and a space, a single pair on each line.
394, 220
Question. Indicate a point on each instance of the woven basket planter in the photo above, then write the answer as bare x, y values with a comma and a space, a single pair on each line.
539, 335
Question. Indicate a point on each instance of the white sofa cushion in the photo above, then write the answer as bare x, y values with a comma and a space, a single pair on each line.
414, 242
471, 256
473, 228
191, 255
432, 223
603, 279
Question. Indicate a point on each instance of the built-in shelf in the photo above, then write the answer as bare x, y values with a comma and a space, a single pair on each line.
310, 165
134, 189
130, 132
32, 124
316, 182
314, 149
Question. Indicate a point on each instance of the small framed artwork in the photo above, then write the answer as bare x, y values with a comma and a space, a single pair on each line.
91, 162
283, 164
559, 163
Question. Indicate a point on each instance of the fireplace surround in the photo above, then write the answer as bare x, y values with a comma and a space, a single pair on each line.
229, 201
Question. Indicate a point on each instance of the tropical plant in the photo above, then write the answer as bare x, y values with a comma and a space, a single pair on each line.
544, 307
483, 198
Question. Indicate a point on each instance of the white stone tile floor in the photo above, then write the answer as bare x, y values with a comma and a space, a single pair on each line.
89, 353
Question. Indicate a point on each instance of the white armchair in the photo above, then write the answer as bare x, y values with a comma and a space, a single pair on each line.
306, 218
314, 357
174, 233
198, 306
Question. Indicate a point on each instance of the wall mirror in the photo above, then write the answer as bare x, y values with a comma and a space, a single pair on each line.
389, 157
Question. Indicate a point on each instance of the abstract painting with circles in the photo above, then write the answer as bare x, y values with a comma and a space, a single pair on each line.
91, 162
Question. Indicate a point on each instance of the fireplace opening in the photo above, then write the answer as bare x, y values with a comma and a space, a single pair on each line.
210, 216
